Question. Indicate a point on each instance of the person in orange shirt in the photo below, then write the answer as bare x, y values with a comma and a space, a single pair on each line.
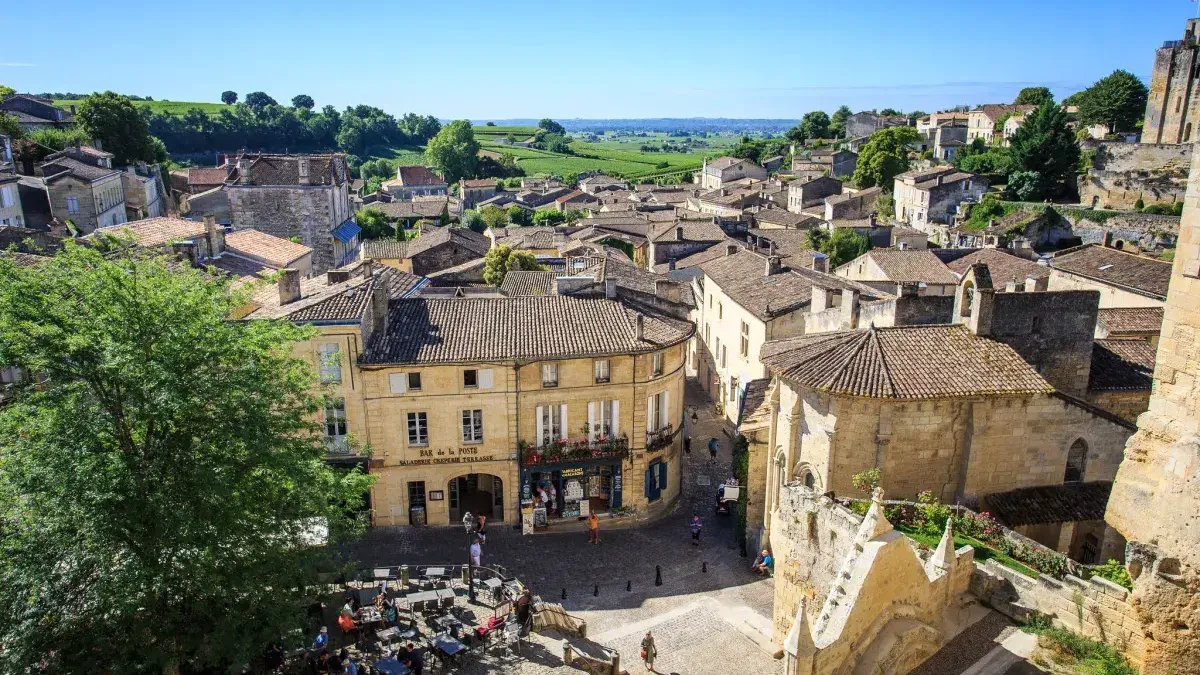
593, 529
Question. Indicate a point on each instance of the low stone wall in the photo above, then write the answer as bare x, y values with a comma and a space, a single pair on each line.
1145, 230
1095, 607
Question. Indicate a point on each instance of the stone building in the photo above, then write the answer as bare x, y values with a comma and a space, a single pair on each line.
717, 173
1123, 279
472, 191
809, 193
854, 205
817, 162
1123, 173
1155, 500
10, 201
932, 195
34, 112
601, 183
866, 123
679, 239
1171, 107
302, 196
982, 121
887, 270
145, 194
1003, 267
415, 181
83, 188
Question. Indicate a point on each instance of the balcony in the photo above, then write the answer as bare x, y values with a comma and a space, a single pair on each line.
575, 450
660, 439
342, 448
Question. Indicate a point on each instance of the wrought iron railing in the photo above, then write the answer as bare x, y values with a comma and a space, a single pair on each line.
574, 450
657, 440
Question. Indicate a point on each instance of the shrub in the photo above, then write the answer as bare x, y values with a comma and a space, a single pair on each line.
1114, 572
1139, 204
867, 480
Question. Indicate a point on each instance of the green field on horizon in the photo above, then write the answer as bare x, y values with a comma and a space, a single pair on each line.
169, 107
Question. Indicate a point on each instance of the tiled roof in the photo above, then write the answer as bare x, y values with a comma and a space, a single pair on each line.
1063, 503
784, 218
459, 236
64, 166
337, 302
86, 151
911, 266
28, 240
383, 249
480, 183
471, 268
154, 231
207, 176
724, 162
756, 404
1004, 267
1121, 365
1119, 321
519, 329
700, 257
847, 196
24, 259
1146, 276
910, 362
995, 111
274, 251
242, 270
417, 175
527, 282
742, 276
693, 230
415, 209
285, 169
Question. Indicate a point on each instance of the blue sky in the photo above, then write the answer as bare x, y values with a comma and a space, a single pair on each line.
650, 58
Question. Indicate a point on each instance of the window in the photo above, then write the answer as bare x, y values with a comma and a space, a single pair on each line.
733, 388
601, 368
418, 429
329, 358
656, 364
403, 382
416, 493
471, 379
72, 204
723, 353
745, 343
602, 418
472, 426
549, 374
657, 414
335, 420
1076, 462
550, 419
6, 197
710, 301
720, 311
707, 334
414, 381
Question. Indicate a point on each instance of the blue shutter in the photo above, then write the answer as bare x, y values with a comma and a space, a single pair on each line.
662, 477
649, 481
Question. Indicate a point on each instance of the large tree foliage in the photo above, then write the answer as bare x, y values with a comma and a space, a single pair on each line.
1033, 96
374, 223
258, 100
842, 247
504, 259
815, 124
161, 475
1046, 145
6, 91
837, 123
303, 101
1118, 100
229, 97
980, 158
551, 126
9, 126
453, 150
884, 156
114, 119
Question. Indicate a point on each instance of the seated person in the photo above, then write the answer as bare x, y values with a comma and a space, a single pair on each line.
414, 661
762, 564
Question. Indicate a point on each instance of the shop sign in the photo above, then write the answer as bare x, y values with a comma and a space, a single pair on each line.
571, 473
447, 456
436, 495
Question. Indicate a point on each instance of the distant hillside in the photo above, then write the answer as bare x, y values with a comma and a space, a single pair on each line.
663, 124
169, 107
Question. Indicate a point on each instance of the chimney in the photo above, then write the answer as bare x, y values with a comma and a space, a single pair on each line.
289, 285
77, 144
771, 246
243, 167
849, 309
1010, 286
378, 311
1108, 240
1034, 283
820, 263
903, 246
666, 290
184, 250
638, 326
302, 169
216, 236
730, 249
939, 179
821, 299
610, 288
337, 276
773, 264
367, 268
679, 233
991, 223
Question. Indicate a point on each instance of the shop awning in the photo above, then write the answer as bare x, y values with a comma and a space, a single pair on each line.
346, 231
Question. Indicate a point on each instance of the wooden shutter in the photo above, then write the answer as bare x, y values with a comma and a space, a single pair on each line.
665, 414
616, 420
649, 481
592, 420
651, 416
538, 423
662, 476
398, 382
562, 422
485, 378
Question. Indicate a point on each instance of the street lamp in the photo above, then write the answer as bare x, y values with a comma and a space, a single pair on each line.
469, 525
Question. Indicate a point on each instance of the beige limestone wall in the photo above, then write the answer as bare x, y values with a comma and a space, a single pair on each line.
1124, 404
1109, 296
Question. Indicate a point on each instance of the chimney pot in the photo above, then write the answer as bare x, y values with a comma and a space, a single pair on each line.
730, 249
849, 309
679, 233
639, 326
671, 265
337, 276
871, 218
773, 265
289, 285
610, 288
1035, 284
216, 236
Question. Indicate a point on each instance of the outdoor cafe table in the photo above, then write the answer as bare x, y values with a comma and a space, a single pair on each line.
447, 624
448, 648
422, 596
435, 572
391, 667
368, 615
443, 593
492, 583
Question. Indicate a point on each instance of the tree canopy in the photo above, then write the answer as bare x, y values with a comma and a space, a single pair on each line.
837, 123
114, 119
161, 475
1033, 96
501, 260
551, 126
6, 91
10, 126
374, 223
229, 97
842, 247
884, 156
453, 150
1046, 145
815, 124
258, 100
1118, 100
303, 101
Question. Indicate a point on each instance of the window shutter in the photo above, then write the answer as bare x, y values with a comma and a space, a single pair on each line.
616, 420
399, 382
539, 421
662, 476
485, 378
591, 421
665, 414
563, 421
649, 480
651, 416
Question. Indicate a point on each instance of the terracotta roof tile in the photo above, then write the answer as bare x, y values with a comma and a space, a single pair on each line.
265, 169
154, 231
1003, 266
1143, 275
742, 276
1122, 365
527, 282
1064, 503
417, 175
911, 266
272, 250
383, 249
338, 302
1118, 321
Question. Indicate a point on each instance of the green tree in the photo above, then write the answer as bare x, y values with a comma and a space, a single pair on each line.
163, 469
374, 223
1033, 96
547, 217
1046, 145
552, 142
303, 101
890, 112
815, 124
837, 123
9, 126
846, 245
453, 150
6, 91
493, 216
551, 126
884, 156
114, 119
1118, 100
1024, 186
519, 216
795, 134
258, 100
229, 97
501, 260
473, 221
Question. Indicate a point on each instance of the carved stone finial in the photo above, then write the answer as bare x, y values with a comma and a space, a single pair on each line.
877, 495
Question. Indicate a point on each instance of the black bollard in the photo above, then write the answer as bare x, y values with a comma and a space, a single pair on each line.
704, 568
628, 585
596, 590
564, 594
657, 575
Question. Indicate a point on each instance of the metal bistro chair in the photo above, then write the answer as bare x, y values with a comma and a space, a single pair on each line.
512, 637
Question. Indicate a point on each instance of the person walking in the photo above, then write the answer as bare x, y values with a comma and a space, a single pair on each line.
648, 651
593, 528
476, 552
713, 447
695, 526
687, 444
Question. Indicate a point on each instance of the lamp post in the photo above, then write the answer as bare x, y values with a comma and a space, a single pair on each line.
469, 525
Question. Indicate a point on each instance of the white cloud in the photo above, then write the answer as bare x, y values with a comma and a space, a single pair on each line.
10, 64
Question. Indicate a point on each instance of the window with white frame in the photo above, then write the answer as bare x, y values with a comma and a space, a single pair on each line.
550, 420
472, 426
418, 429
657, 412
335, 421
656, 364
72, 204
329, 357
602, 418
601, 368
745, 343
549, 374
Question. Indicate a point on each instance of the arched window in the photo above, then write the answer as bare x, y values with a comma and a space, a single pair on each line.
968, 298
810, 481
1076, 462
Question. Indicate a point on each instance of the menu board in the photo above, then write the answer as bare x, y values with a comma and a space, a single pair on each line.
572, 490
539, 516
585, 508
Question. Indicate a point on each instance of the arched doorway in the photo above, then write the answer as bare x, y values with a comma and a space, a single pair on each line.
480, 493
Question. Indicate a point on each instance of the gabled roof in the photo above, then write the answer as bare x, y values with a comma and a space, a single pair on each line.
416, 175
272, 250
434, 330
995, 111
1063, 503
693, 230
1121, 365
415, 209
1119, 321
154, 231
383, 249
459, 236
1003, 266
480, 183
207, 175
784, 218
1139, 274
724, 162
528, 282
909, 363
267, 169
910, 266
69, 166
339, 302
